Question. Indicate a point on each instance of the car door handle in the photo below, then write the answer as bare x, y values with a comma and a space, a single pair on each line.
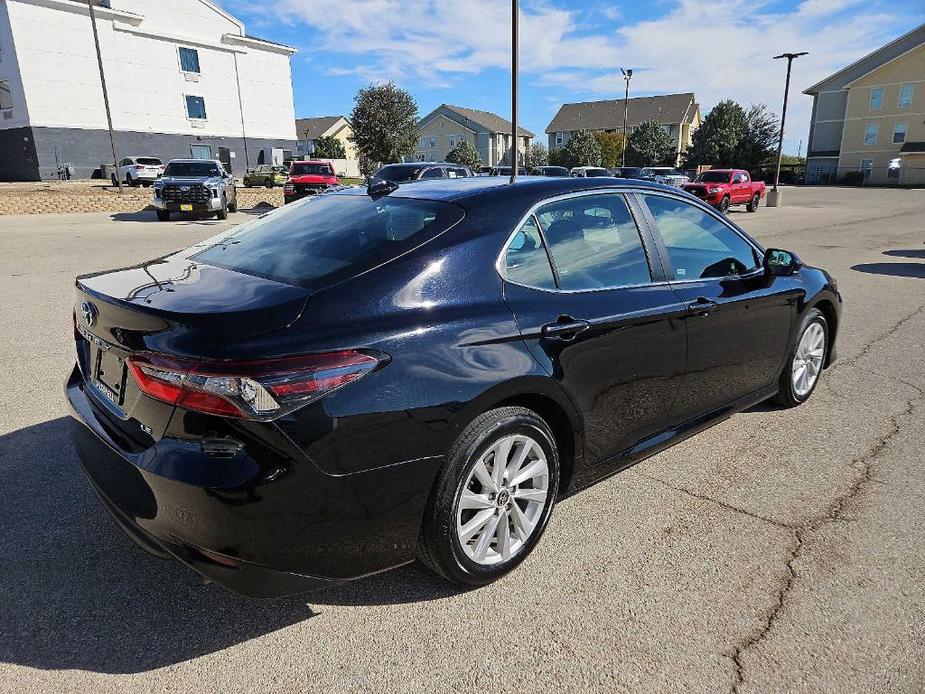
566, 328
701, 307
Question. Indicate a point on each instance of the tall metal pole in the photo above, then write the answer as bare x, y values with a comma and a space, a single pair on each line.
515, 46
99, 60
783, 115
237, 76
627, 76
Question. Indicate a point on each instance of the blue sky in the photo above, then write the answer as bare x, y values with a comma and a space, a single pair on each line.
457, 51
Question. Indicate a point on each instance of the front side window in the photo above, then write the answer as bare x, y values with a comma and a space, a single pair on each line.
876, 98
699, 245
899, 132
434, 172
905, 95
6, 96
189, 60
526, 260
870, 134
594, 242
196, 107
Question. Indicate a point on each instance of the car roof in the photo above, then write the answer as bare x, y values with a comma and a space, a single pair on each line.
307, 161
420, 164
459, 189
193, 161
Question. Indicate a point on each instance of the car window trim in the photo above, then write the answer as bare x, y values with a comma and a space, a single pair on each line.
663, 249
501, 264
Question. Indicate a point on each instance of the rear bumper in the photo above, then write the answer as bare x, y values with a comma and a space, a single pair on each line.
262, 523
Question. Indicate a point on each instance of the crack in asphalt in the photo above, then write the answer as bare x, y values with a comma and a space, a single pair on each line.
865, 350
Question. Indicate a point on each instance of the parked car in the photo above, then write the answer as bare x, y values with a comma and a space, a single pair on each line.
665, 175
723, 188
506, 171
420, 171
135, 171
626, 171
340, 387
589, 172
195, 186
308, 178
552, 171
266, 175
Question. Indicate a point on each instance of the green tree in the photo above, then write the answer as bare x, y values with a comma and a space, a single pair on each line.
758, 146
384, 121
466, 154
611, 148
716, 141
582, 149
650, 145
329, 148
537, 155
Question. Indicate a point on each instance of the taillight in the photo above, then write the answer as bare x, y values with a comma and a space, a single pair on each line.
261, 390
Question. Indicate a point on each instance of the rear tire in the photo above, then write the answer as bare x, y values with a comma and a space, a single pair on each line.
755, 202
223, 212
233, 206
163, 216
268, 182
479, 526
806, 358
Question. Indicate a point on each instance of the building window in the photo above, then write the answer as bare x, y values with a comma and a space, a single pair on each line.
870, 134
195, 108
6, 97
433, 143
899, 132
905, 95
189, 60
452, 141
560, 138
201, 151
876, 98
867, 165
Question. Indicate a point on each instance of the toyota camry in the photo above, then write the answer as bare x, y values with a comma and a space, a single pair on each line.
380, 375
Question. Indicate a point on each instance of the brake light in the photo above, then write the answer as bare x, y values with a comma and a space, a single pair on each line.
261, 390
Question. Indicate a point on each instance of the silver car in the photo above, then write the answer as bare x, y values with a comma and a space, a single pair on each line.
665, 175
195, 186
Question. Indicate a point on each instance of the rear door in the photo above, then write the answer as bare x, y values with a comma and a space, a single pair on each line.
738, 317
598, 315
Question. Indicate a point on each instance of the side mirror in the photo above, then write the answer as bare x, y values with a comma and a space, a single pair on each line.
778, 263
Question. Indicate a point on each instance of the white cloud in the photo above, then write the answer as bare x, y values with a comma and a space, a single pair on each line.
716, 50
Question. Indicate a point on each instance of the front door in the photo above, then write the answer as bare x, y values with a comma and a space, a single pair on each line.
596, 315
738, 317
224, 156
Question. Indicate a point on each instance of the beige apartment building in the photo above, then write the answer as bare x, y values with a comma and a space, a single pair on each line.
309, 130
869, 118
444, 127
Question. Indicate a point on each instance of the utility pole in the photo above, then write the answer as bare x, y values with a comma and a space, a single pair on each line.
515, 45
99, 60
627, 75
774, 198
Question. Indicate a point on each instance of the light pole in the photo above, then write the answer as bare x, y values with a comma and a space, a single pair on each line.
774, 197
515, 41
99, 60
627, 75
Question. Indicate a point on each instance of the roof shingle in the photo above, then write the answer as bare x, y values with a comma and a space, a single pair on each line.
488, 120
608, 115
313, 128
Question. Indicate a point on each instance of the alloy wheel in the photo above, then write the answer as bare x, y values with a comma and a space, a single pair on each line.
503, 499
807, 361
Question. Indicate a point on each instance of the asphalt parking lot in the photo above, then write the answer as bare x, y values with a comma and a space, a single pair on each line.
779, 551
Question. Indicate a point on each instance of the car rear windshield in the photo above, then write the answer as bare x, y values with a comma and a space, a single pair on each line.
148, 161
327, 238
596, 172
398, 174
553, 171
311, 170
191, 168
714, 177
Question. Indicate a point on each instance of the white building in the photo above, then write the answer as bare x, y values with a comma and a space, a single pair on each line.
184, 80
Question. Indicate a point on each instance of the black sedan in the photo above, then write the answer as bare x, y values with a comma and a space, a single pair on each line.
373, 376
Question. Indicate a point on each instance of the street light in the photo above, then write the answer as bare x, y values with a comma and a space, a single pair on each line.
774, 198
627, 75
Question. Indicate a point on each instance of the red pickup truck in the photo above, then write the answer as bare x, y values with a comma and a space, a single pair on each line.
308, 178
723, 188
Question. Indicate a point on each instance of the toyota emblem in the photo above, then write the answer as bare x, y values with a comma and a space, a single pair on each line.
88, 311
185, 189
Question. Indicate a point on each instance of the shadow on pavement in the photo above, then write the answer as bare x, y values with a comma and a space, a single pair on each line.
149, 215
892, 269
77, 594
911, 253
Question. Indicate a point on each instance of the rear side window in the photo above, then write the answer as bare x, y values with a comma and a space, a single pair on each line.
594, 242
526, 259
699, 245
328, 238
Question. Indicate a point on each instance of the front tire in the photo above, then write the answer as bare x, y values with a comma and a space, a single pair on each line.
805, 361
223, 212
492, 501
163, 216
724, 205
755, 202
